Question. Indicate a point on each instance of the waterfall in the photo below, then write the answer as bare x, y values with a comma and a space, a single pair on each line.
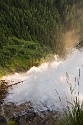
43, 86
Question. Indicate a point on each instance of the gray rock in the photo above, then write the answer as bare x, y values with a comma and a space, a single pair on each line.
3, 120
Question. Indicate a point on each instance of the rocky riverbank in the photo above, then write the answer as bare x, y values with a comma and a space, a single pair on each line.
24, 114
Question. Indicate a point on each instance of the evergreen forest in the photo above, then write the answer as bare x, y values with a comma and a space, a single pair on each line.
29, 30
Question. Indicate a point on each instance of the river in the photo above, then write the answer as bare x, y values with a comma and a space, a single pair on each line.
48, 86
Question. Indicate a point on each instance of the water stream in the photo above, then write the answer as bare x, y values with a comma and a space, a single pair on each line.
45, 85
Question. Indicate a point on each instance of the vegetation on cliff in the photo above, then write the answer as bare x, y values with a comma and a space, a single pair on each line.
29, 30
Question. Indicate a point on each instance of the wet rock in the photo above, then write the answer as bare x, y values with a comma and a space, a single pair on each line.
30, 116
33, 118
3, 121
3, 90
79, 45
12, 110
24, 114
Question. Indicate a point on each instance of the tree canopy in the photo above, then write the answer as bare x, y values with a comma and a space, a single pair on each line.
31, 29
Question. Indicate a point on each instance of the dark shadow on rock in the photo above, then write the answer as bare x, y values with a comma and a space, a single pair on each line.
79, 45
3, 120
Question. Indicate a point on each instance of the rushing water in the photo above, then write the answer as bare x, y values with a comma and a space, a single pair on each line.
45, 85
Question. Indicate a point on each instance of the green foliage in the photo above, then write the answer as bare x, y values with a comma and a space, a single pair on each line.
74, 112
74, 115
20, 55
29, 30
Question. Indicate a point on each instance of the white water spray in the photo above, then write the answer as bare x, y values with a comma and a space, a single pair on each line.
42, 83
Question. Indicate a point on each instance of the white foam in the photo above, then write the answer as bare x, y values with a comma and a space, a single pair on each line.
42, 83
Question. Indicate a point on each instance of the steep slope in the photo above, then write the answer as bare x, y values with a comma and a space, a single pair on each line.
29, 30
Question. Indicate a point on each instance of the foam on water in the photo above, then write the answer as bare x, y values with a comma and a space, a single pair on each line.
44, 84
